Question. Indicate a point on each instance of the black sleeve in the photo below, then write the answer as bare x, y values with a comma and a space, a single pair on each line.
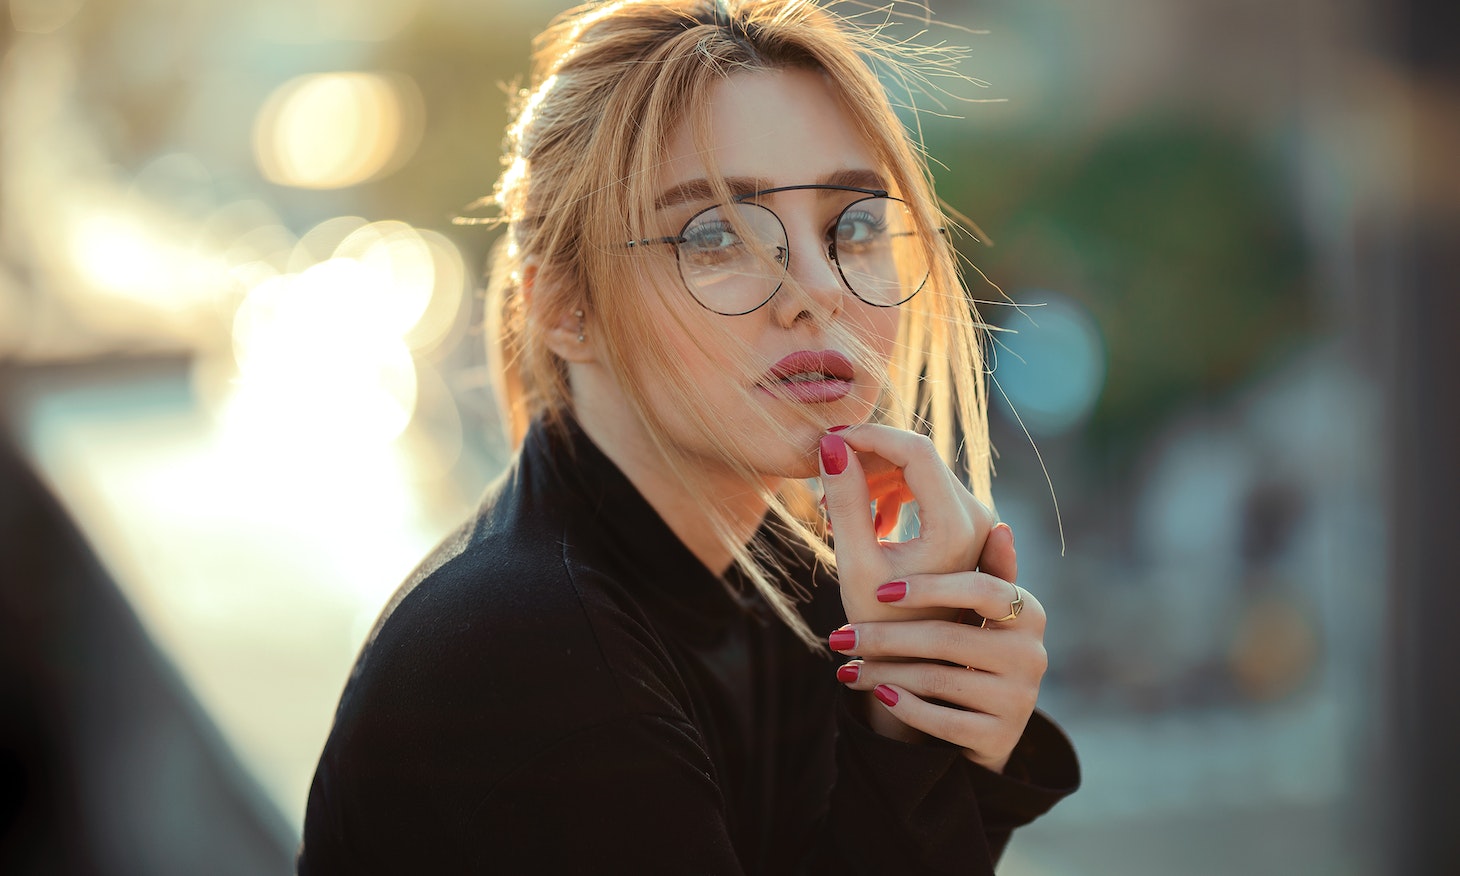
924, 808
1042, 771
900, 807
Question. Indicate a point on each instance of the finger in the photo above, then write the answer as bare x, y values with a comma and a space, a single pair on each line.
956, 686
845, 491
987, 739
998, 557
941, 499
1013, 651
991, 597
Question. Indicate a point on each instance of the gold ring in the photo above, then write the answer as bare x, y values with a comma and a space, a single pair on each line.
1014, 608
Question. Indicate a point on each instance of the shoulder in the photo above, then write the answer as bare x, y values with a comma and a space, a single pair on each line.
521, 645
491, 676
507, 631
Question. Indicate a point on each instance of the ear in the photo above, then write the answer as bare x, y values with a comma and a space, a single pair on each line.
564, 327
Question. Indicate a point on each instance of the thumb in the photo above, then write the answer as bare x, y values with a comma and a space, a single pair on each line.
998, 557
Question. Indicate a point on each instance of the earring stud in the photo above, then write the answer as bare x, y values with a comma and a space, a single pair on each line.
581, 336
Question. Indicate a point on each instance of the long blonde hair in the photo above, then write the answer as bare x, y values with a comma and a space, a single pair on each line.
609, 88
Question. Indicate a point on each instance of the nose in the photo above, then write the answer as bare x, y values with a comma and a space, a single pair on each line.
813, 287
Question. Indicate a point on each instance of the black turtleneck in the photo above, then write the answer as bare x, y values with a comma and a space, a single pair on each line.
563, 687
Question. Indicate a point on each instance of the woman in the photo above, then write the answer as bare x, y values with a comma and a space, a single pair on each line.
724, 273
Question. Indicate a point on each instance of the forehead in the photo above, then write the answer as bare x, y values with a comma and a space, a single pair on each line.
779, 127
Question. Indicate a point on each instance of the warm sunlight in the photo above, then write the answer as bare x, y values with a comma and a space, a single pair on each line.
331, 130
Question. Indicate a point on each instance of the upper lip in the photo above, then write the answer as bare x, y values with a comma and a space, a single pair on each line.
828, 363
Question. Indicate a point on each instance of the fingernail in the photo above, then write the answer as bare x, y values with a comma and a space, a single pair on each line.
842, 640
1011, 532
887, 695
877, 522
838, 428
833, 454
848, 673
893, 592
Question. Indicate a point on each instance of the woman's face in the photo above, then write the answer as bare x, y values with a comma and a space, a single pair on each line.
771, 129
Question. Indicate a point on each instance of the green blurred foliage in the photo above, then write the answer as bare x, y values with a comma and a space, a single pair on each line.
1175, 233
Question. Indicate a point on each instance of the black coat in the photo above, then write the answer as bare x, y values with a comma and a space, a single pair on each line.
564, 687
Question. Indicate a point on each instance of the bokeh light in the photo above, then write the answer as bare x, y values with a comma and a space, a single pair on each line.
331, 130
1051, 366
123, 255
316, 365
327, 349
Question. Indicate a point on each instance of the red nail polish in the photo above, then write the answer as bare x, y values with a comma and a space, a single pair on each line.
887, 695
842, 640
877, 522
838, 428
893, 592
848, 673
833, 454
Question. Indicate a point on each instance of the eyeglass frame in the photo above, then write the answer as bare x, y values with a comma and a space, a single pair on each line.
786, 268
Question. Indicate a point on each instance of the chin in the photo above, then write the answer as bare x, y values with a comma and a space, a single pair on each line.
807, 462
810, 467
798, 454
798, 462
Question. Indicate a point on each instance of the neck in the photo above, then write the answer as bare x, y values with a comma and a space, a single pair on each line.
624, 440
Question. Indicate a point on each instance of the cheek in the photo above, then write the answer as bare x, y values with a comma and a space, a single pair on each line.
717, 348
709, 360
878, 327
677, 322
694, 345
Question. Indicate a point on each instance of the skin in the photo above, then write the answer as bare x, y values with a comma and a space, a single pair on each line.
975, 687
783, 128
787, 128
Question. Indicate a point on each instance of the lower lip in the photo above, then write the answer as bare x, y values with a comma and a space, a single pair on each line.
809, 392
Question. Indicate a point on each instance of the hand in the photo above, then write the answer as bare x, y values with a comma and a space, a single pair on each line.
975, 687
900, 466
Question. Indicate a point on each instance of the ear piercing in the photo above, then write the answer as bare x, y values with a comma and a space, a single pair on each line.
579, 313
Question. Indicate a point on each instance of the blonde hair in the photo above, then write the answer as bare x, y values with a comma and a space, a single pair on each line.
609, 88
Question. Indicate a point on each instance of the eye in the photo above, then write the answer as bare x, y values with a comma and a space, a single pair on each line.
710, 242
859, 229
716, 234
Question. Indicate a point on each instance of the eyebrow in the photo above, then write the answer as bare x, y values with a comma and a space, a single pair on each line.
743, 186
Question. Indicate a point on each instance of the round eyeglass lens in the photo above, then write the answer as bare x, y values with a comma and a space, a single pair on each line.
878, 251
733, 259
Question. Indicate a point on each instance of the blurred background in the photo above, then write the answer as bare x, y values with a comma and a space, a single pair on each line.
240, 354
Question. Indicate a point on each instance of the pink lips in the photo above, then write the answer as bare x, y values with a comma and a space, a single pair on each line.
810, 377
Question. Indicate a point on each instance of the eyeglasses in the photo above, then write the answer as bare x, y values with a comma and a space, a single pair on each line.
734, 258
